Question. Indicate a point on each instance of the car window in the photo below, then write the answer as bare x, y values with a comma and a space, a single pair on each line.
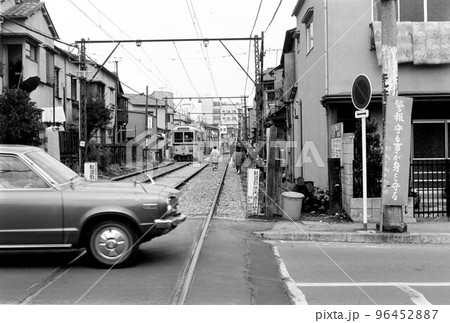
15, 174
59, 172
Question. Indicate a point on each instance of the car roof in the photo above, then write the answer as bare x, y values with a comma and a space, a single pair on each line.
17, 149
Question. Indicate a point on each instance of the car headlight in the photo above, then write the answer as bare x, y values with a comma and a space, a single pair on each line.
171, 203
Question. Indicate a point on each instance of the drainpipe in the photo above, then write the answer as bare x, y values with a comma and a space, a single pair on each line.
327, 89
325, 15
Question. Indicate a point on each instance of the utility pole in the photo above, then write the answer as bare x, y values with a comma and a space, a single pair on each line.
82, 131
165, 129
392, 216
245, 121
146, 126
115, 125
258, 94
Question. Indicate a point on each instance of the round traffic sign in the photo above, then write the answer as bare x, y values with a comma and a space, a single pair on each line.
361, 92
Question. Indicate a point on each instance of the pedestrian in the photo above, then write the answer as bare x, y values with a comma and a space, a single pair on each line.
238, 159
215, 155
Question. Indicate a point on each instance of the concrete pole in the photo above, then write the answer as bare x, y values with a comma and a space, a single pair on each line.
392, 216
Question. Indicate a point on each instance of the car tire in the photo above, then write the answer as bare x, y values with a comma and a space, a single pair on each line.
112, 243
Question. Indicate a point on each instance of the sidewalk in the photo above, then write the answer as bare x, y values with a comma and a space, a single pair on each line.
433, 231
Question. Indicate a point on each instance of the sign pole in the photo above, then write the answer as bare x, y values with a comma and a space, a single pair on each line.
361, 95
364, 171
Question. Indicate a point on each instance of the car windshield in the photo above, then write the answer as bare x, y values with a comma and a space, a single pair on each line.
59, 172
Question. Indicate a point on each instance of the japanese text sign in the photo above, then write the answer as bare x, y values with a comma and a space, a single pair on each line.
252, 190
397, 147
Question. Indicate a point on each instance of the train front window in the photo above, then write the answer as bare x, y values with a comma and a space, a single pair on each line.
178, 137
188, 136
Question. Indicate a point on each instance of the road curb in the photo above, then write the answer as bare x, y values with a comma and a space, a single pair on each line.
357, 237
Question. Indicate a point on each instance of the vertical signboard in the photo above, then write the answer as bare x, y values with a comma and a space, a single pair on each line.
337, 132
90, 171
397, 147
252, 191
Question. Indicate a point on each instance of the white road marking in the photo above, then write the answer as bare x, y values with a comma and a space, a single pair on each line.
416, 297
297, 296
374, 284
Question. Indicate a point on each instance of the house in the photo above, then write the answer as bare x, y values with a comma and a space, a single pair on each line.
337, 40
29, 59
149, 133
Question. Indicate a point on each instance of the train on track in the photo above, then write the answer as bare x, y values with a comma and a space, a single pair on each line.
193, 143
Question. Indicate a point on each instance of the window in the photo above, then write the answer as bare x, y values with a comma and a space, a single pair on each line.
30, 51
50, 67
418, 10
429, 139
308, 21
309, 37
14, 174
73, 89
56, 82
178, 137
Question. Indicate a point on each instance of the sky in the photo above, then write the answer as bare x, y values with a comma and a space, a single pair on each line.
187, 69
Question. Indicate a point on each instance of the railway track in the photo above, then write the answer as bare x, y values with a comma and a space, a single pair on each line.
176, 175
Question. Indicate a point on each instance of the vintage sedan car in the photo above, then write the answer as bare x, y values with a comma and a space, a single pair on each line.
44, 204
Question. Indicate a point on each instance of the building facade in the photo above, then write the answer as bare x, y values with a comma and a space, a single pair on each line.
31, 60
336, 41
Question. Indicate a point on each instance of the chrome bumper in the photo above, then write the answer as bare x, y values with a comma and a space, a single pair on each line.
170, 222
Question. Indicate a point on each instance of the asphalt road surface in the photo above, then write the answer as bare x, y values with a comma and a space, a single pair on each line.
367, 274
234, 268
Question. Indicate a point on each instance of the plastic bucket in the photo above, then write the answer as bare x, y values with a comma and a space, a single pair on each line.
292, 205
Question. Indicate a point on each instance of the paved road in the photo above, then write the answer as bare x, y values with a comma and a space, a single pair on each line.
366, 274
235, 268
152, 281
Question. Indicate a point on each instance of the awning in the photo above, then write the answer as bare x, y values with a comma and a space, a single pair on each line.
47, 114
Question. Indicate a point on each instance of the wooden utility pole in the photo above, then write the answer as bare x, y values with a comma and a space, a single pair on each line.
245, 120
392, 216
82, 131
273, 177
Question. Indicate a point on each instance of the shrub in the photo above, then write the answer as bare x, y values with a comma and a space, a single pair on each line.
99, 153
374, 158
20, 120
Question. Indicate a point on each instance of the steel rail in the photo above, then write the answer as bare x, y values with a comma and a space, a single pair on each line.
36, 288
188, 273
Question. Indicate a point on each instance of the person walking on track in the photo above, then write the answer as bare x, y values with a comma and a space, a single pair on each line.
215, 155
238, 159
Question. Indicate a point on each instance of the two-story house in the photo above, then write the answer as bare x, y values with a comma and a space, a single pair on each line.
29, 59
337, 40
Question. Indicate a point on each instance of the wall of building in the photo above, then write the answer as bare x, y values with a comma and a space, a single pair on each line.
311, 138
349, 53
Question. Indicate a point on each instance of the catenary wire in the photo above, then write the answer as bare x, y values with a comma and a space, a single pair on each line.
144, 51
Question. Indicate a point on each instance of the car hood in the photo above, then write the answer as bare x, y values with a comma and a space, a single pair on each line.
121, 187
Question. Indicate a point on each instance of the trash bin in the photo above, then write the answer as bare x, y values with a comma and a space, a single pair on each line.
292, 205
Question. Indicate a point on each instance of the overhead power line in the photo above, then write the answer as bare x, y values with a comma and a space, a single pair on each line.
200, 34
250, 43
132, 58
145, 53
184, 68
279, 4
36, 31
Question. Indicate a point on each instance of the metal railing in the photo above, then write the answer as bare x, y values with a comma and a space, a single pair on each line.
430, 182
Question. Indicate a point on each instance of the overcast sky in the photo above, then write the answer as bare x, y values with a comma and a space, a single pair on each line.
183, 68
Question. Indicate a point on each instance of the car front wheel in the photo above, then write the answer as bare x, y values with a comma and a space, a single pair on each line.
112, 244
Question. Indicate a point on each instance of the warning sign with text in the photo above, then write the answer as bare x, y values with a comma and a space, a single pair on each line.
397, 149
252, 190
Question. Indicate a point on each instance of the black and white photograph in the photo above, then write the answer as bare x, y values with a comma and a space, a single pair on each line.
221, 154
